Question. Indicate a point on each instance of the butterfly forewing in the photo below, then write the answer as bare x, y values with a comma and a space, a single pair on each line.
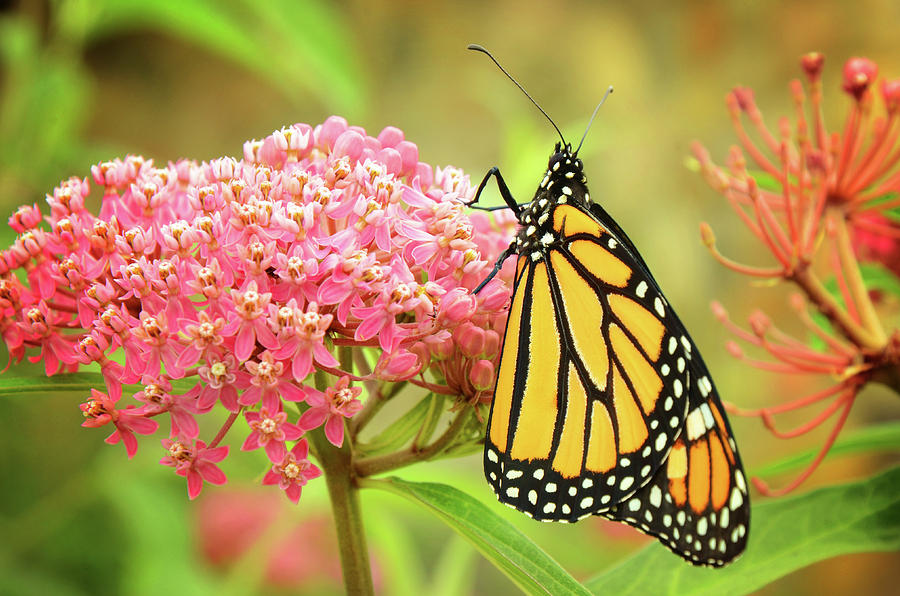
591, 388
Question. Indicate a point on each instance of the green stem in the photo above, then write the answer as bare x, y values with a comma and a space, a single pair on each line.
343, 492
344, 495
855, 283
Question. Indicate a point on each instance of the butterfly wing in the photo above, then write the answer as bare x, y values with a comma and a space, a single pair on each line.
592, 385
697, 503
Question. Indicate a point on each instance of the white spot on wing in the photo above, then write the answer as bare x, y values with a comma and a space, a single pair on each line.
737, 499
695, 425
641, 289
658, 306
661, 441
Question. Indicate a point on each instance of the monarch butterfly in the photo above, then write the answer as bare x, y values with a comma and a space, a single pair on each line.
603, 405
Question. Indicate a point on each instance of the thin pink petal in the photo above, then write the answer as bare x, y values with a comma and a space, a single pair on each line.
334, 430
313, 418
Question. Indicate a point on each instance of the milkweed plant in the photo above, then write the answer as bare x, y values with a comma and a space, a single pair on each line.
279, 301
826, 206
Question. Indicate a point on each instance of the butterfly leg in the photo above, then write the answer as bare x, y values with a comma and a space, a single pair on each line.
504, 192
510, 250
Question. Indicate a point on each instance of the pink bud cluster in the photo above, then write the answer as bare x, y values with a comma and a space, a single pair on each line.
236, 279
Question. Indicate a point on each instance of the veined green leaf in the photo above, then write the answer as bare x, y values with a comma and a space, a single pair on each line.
513, 553
785, 535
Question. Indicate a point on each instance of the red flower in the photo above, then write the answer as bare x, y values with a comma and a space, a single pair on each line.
832, 194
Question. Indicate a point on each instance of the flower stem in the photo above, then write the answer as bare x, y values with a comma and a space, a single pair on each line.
855, 282
829, 307
343, 492
344, 495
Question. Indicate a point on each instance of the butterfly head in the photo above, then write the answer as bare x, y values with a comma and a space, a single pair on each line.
565, 170
565, 160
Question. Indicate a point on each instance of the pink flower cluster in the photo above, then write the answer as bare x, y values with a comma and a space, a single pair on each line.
234, 280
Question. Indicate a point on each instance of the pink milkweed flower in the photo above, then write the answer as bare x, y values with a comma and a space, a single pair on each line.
220, 383
267, 382
158, 398
330, 408
157, 346
270, 431
293, 472
305, 342
250, 323
205, 338
195, 462
39, 324
101, 410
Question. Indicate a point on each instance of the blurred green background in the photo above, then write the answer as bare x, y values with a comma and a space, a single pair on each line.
85, 81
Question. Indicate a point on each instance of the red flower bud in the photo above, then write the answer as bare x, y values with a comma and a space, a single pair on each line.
812, 65
744, 97
890, 91
859, 73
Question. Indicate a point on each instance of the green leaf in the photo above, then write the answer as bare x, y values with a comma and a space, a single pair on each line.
42, 107
293, 44
882, 437
785, 535
877, 277
455, 570
431, 420
507, 548
766, 181
400, 431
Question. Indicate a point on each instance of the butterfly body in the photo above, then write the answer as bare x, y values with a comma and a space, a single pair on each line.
602, 404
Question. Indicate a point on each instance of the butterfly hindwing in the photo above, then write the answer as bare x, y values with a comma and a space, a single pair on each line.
697, 504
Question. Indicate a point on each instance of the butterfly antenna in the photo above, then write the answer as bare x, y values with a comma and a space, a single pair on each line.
605, 95
478, 48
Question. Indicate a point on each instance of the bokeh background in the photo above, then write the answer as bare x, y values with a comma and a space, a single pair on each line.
85, 81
